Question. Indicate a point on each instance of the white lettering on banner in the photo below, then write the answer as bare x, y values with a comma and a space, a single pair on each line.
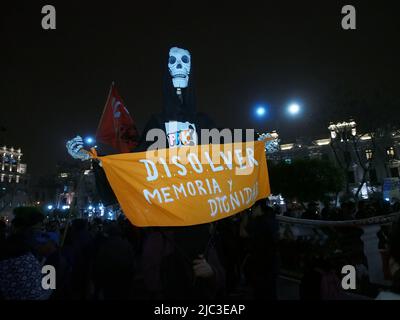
244, 162
183, 170
250, 156
199, 185
180, 189
152, 172
166, 169
206, 187
166, 195
231, 202
227, 160
213, 168
219, 204
153, 194
195, 162
230, 185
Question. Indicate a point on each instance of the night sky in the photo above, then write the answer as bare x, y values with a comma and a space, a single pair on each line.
54, 83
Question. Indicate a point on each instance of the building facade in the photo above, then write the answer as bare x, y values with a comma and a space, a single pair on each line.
368, 160
11, 169
13, 181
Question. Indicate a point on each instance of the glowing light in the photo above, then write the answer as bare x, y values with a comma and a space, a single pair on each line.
366, 137
89, 140
90, 208
101, 208
287, 146
110, 215
261, 111
50, 207
323, 142
65, 207
294, 108
364, 191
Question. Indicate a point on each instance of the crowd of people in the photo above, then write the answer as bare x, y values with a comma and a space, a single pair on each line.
99, 259
348, 210
112, 259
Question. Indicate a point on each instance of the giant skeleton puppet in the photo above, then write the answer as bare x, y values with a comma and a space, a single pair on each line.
178, 119
178, 116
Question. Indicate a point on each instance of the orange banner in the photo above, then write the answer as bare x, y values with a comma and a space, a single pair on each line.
188, 185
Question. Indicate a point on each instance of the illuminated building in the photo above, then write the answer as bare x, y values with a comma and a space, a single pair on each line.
367, 158
11, 168
13, 181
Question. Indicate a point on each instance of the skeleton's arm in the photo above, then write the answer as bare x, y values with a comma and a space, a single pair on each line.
76, 150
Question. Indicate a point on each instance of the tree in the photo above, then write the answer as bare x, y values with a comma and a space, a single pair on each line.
380, 140
305, 179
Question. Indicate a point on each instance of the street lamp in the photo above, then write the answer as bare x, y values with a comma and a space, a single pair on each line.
344, 130
294, 109
90, 141
261, 111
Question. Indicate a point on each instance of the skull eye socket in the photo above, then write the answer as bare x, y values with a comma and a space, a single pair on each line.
172, 60
185, 59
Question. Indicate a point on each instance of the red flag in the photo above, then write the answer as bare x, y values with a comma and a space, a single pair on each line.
116, 126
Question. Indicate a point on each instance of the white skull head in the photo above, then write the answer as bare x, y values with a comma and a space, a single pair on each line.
179, 66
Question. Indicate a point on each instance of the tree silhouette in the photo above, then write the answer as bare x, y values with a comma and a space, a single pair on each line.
305, 179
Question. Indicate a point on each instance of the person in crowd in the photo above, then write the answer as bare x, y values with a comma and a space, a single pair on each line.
320, 281
294, 210
345, 212
312, 212
362, 210
396, 205
394, 265
277, 209
261, 263
113, 268
385, 208
288, 212
176, 265
78, 250
327, 211
228, 232
20, 269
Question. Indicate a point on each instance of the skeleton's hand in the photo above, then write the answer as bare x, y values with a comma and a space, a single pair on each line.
75, 149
